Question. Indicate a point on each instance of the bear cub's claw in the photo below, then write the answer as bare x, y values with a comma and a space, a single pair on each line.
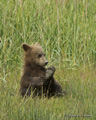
52, 68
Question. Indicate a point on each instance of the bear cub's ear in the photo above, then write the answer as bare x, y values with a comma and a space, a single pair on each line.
26, 47
37, 44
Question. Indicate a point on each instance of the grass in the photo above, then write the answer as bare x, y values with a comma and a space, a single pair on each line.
80, 98
67, 31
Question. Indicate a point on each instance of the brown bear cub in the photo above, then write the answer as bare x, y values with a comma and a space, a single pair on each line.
36, 79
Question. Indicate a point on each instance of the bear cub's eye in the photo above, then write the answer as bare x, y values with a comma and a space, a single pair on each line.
40, 55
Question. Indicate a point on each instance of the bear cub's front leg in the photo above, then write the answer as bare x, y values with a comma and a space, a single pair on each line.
54, 88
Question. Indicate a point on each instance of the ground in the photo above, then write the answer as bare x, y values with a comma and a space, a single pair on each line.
79, 100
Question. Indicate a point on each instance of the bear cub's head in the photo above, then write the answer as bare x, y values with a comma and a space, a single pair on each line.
34, 55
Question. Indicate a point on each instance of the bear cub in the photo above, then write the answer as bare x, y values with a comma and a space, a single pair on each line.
37, 80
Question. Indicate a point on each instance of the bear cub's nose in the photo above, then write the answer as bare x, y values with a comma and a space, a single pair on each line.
46, 62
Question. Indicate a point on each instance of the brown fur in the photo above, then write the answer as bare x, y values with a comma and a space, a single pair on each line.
36, 79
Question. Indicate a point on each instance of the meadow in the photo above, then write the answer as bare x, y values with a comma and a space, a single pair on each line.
66, 29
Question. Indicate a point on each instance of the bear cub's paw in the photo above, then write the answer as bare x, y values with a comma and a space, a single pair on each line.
49, 72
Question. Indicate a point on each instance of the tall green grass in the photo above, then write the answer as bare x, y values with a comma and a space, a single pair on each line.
66, 29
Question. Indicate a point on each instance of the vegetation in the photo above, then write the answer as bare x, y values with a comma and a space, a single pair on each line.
66, 29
